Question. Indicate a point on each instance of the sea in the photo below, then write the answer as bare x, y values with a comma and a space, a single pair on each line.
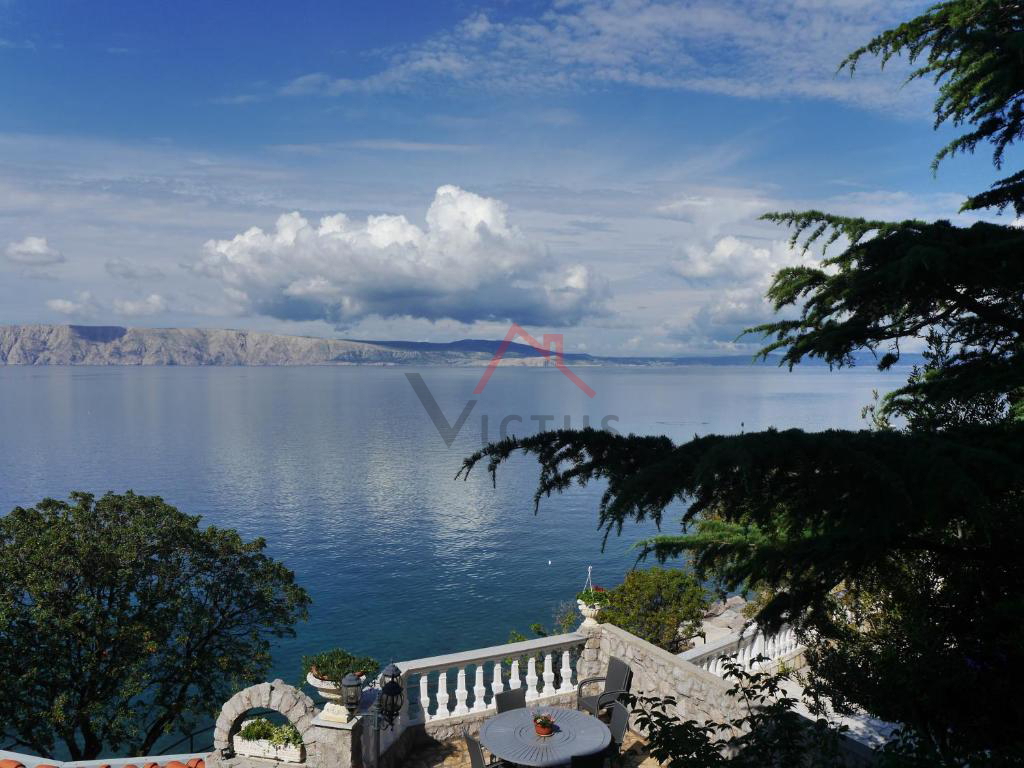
345, 474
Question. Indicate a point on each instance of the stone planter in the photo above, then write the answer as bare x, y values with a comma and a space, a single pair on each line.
334, 710
263, 748
589, 613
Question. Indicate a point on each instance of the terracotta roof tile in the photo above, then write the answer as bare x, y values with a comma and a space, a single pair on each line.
8, 763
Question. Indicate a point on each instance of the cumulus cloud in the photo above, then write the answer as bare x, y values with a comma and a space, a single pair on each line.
731, 260
717, 325
33, 252
153, 304
749, 50
82, 306
468, 264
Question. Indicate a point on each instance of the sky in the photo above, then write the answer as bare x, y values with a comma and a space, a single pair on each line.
436, 170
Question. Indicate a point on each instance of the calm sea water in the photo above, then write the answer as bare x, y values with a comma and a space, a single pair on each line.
343, 473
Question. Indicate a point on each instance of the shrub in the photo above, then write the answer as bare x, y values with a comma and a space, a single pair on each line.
664, 606
593, 596
278, 735
334, 664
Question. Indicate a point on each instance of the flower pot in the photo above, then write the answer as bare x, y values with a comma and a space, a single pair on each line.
543, 730
263, 748
589, 613
331, 693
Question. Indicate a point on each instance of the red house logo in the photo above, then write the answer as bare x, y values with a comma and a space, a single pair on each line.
550, 339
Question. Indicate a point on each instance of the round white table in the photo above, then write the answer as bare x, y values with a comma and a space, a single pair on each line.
511, 736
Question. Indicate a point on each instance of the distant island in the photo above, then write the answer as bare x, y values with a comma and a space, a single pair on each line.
115, 345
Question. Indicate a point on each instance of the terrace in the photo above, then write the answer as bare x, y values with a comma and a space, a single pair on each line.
445, 696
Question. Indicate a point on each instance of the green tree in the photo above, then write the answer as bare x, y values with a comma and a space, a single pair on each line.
121, 620
896, 551
662, 606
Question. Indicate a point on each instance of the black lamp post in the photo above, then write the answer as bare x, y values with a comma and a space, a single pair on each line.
351, 692
389, 702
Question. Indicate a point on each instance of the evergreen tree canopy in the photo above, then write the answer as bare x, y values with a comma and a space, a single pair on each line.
895, 550
974, 51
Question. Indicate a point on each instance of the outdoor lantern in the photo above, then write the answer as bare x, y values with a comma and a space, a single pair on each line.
389, 703
351, 692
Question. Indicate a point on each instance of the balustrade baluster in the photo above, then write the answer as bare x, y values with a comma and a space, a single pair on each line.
461, 693
479, 691
566, 673
497, 685
514, 680
442, 695
425, 697
531, 679
548, 685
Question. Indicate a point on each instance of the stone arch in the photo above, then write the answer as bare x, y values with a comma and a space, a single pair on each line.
296, 707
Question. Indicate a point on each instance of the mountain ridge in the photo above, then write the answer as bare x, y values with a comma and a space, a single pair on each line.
42, 344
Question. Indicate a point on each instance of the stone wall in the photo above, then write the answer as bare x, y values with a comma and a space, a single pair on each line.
326, 747
699, 695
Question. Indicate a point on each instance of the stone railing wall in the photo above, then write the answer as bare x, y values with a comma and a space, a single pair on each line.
454, 692
542, 666
781, 647
699, 693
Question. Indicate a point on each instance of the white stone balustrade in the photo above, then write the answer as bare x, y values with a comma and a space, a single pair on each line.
485, 667
745, 647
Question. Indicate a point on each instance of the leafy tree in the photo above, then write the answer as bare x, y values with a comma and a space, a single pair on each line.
662, 606
895, 550
121, 620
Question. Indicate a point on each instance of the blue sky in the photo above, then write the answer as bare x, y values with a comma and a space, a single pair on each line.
434, 170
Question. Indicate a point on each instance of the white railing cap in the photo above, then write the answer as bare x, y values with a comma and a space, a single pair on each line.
729, 643
555, 642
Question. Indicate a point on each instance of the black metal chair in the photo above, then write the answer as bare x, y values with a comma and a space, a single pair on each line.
588, 761
512, 699
476, 753
616, 680
618, 726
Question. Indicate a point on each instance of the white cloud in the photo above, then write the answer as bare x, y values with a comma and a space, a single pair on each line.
153, 304
469, 264
718, 324
33, 252
731, 260
749, 50
83, 306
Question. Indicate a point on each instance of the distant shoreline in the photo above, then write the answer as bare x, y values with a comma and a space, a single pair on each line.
85, 345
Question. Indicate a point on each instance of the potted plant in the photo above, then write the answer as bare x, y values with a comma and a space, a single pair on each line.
543, 724
261, 738
590, 602
325, 671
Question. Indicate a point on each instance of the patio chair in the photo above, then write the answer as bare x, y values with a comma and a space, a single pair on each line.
617, 680
476, 754
618, 725
512, 699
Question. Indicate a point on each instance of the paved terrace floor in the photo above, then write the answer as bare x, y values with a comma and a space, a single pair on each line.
453, 754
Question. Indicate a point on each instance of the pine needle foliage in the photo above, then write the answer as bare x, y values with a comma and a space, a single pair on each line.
894, 550
973, 50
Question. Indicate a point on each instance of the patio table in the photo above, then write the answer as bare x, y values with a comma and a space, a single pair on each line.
511, 736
